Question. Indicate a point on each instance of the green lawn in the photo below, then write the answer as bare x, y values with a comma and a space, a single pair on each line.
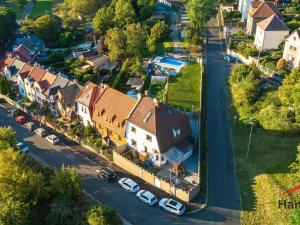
264, 175
184, 89
13, 6
41, 7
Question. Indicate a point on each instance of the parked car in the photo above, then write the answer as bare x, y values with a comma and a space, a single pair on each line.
53, 139
172, 206
106, 173
14, 112
229, 58
21, 119
147, 197
41, 132
22, 147
30, 126
129, 185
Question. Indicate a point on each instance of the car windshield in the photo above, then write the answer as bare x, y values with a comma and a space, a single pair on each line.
172, 203
153, 199
181, 208
134, 186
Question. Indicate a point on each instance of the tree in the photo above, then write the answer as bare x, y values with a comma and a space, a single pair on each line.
66, 182
295, 166
116, 44
7, 25
4, 86
281, 64
103, 20
61, 211
20, 3
102, 215
133, 67
7, 138
124, 13
157, 33
45, 25
200, 11
136, 39
65, 39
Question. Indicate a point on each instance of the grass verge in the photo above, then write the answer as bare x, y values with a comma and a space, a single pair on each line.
264, 176
184, 89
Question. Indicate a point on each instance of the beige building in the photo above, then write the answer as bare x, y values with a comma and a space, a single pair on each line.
291, 51
270, 33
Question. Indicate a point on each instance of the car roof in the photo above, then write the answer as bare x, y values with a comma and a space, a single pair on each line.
41, 128
130, 182
148, 194
174, 203
21, 143
52, 136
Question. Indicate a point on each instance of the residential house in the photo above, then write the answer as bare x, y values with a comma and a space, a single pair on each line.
86, 100
25, 54
35, 74
42, 86
65, 100
60, 82
244, 5
4, 63
32, 42
22, 74
10, 67
111, 110
291, 51
270, 33
136, 83
97, 61
160, 131
259, 13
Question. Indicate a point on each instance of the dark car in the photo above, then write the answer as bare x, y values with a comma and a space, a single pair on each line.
106, 173
229, 58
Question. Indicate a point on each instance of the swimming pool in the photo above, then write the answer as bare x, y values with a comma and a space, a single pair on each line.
172, 62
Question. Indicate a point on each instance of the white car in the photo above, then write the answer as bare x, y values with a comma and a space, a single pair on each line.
53, 139
129, 185
40, 132
147, 197
172, 206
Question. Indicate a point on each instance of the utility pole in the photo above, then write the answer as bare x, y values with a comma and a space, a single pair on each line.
250, 136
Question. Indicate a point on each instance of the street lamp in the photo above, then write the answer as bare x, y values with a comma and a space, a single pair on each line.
250, 136
234, 119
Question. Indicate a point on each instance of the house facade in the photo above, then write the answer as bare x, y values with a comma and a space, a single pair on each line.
86, 101
42, 86
291, 51
21, 76
111, 110
36, 74
65, 100
159, 131
270, 33
258, 12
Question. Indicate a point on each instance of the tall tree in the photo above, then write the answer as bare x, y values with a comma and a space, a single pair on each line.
116, 43
7, 25
136, 39
124, 13
157, 33
200, 11
103, 20
102, 215
46, 25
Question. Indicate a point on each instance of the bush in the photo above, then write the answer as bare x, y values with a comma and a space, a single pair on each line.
293, 24
102, 215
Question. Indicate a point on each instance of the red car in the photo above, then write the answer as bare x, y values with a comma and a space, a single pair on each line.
20, 119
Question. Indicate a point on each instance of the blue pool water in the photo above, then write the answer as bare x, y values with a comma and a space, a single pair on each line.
171, 61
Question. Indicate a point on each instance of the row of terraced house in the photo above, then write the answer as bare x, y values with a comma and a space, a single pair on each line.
141, 123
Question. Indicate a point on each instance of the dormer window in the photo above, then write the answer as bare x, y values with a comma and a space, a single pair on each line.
148, 138
102, 112
114, 117
176, 132
98, 114
123, 123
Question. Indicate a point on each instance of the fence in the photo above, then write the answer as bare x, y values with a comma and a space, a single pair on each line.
151, 178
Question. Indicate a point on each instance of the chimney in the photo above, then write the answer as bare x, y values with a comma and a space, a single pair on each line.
156, 102
146, 93
139, 96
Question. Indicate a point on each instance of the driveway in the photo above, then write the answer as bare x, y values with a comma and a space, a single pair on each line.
223, 191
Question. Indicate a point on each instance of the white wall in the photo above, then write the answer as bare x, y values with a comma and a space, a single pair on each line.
29, 89
140, 137
272, 39
292, 50
259, 38
84, 113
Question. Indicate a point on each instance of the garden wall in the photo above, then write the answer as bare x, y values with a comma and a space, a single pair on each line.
150, 178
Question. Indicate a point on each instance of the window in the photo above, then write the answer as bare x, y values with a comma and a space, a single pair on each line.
145, 149
176, 132
82, 109
102, 112
133, 130
148, 138
295, 49
294, 38
113, 118
133, 142
98, 114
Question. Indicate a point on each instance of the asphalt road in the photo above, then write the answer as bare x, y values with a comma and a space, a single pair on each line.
223, 191
126, 204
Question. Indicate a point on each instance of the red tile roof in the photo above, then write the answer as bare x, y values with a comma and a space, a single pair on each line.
24, 72
265, 10
161, 120
37, 73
